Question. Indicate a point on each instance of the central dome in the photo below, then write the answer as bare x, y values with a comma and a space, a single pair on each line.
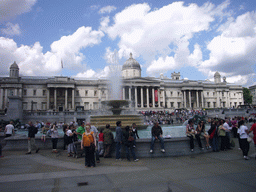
131, 64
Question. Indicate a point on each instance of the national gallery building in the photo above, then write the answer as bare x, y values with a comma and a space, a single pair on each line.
62, 93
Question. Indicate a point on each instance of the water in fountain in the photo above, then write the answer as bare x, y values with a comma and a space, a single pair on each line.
115, 79
116, 103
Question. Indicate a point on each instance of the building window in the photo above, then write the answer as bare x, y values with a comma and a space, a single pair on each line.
172, 104
213, 93
234, 94
235, 104
95, 105
222, 94
207, 93
171, 93
214, 104
178, 94
86, 105
25, 106
44, 92
25, 92
224, 104
77, 93
34, 92
34, 106
208, 104
95, 93
77, 104
43, 106
86, 92
179, 104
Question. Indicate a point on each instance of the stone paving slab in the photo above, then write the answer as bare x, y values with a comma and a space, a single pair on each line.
45, 171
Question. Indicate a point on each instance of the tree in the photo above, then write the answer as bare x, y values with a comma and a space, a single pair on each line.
247, 96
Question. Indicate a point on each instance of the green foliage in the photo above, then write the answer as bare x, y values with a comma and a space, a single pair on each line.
247, 96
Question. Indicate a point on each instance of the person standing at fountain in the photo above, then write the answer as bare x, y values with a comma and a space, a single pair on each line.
135, 134
9, 129
54, 136
88, 143
118, 139
243, 133
108, 141
32, 131
95, 131
80, 130
213, 132
157, 133
128, 143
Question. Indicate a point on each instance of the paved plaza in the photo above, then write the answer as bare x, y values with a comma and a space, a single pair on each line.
46, 171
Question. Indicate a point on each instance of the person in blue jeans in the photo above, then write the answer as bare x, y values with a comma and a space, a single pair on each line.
128, 143
157, 133
118, 139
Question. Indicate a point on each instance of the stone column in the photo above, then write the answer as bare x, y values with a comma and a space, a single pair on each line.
48, 99
6, 97
147, 98
130, 96
141, 97
123, 93
66, 98
136, 102
185, 99
1, 98
189, 97
218, 99
158, 94
228, 100
197, 99
202, 98
20, 92
163, 99
153, 97
55, 98
73, 98
106, 94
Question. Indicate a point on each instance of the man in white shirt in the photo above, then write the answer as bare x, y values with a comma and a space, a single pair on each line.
227, 129
9, 129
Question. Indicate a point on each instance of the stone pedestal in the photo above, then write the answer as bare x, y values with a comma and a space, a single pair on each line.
14, 110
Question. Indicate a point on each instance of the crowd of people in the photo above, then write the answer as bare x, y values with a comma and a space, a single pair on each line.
95, 144
166, 117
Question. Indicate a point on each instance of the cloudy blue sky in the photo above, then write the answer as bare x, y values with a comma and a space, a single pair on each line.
196, 38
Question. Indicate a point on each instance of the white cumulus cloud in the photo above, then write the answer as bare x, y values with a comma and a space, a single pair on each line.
11, 29
233, 51
10, 9
32, 60
150, 33
107, 9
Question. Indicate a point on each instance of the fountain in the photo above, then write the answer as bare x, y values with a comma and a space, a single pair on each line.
116, 103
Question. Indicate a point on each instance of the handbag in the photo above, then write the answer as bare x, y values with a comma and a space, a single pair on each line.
222, 133
92, 147
249, 139
130, 138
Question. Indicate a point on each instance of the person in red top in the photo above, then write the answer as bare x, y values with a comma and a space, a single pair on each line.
253, 130
101, 143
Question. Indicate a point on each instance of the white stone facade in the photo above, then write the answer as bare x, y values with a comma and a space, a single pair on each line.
253, 93
145, 93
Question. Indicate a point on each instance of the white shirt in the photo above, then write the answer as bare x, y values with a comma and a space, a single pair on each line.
242, 132
9, 129
226, 126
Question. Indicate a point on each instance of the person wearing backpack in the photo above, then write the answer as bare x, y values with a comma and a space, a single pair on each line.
88, 143
32, 131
